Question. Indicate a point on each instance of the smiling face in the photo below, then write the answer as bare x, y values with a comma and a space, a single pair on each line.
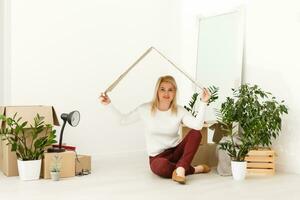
166, 92
165, 95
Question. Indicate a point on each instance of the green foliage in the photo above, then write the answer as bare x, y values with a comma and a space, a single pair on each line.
192, 104
236, 145
259, 117
214, 96
31, 144
259, 114
56, 164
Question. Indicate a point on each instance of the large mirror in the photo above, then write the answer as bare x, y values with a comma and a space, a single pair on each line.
220, 54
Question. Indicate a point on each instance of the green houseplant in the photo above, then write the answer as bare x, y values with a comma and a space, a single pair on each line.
259, 114
236, 147
55, 168
214, 96
28, 143
256, 115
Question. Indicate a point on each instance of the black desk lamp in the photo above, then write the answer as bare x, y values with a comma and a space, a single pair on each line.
73, 119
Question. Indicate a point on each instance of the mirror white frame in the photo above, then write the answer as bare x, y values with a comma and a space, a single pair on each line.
206, 71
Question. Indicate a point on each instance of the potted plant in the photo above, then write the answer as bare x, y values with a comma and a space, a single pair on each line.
256, 115
235, 144
259, 115
29, 144
55, 168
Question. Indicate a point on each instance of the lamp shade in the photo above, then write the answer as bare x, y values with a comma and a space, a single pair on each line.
73, 119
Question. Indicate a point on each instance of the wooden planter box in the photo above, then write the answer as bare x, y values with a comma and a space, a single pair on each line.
261, 162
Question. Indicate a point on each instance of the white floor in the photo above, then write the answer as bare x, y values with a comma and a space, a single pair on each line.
129, 177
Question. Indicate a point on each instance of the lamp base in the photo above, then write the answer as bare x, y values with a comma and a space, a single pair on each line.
55, 150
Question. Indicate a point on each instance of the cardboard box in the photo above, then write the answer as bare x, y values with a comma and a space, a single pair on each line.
8, 159
206, 154
67, 164
83, 162
185, 130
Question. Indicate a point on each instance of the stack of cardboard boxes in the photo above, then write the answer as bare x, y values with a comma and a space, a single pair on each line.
71, 164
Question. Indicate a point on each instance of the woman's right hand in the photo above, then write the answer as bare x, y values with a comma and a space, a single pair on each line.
104, 99
205, 95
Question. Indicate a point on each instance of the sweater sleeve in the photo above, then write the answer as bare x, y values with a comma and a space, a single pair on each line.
128, 118
195, 122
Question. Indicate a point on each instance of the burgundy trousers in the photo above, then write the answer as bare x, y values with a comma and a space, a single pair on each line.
182, 155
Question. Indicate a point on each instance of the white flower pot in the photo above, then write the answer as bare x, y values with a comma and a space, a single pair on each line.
239, 170
55, 176
29, 170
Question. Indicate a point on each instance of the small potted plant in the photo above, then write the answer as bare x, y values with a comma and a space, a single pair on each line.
237, 147
29, 144
55, 168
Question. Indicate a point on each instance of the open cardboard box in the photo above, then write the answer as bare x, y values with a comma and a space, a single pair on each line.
206, 153
185, 130
8, 159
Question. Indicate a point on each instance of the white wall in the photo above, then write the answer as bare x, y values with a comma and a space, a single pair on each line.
65, 52
5, 68
271, 58
1, 52
272, 61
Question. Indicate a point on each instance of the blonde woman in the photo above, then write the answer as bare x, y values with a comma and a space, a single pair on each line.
170, 156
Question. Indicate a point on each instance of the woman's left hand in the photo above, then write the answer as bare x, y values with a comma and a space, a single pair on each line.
205, 95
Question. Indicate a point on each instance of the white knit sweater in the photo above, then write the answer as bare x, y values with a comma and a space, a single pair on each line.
162, 128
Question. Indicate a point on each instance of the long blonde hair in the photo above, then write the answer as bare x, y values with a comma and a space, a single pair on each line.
155, 100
